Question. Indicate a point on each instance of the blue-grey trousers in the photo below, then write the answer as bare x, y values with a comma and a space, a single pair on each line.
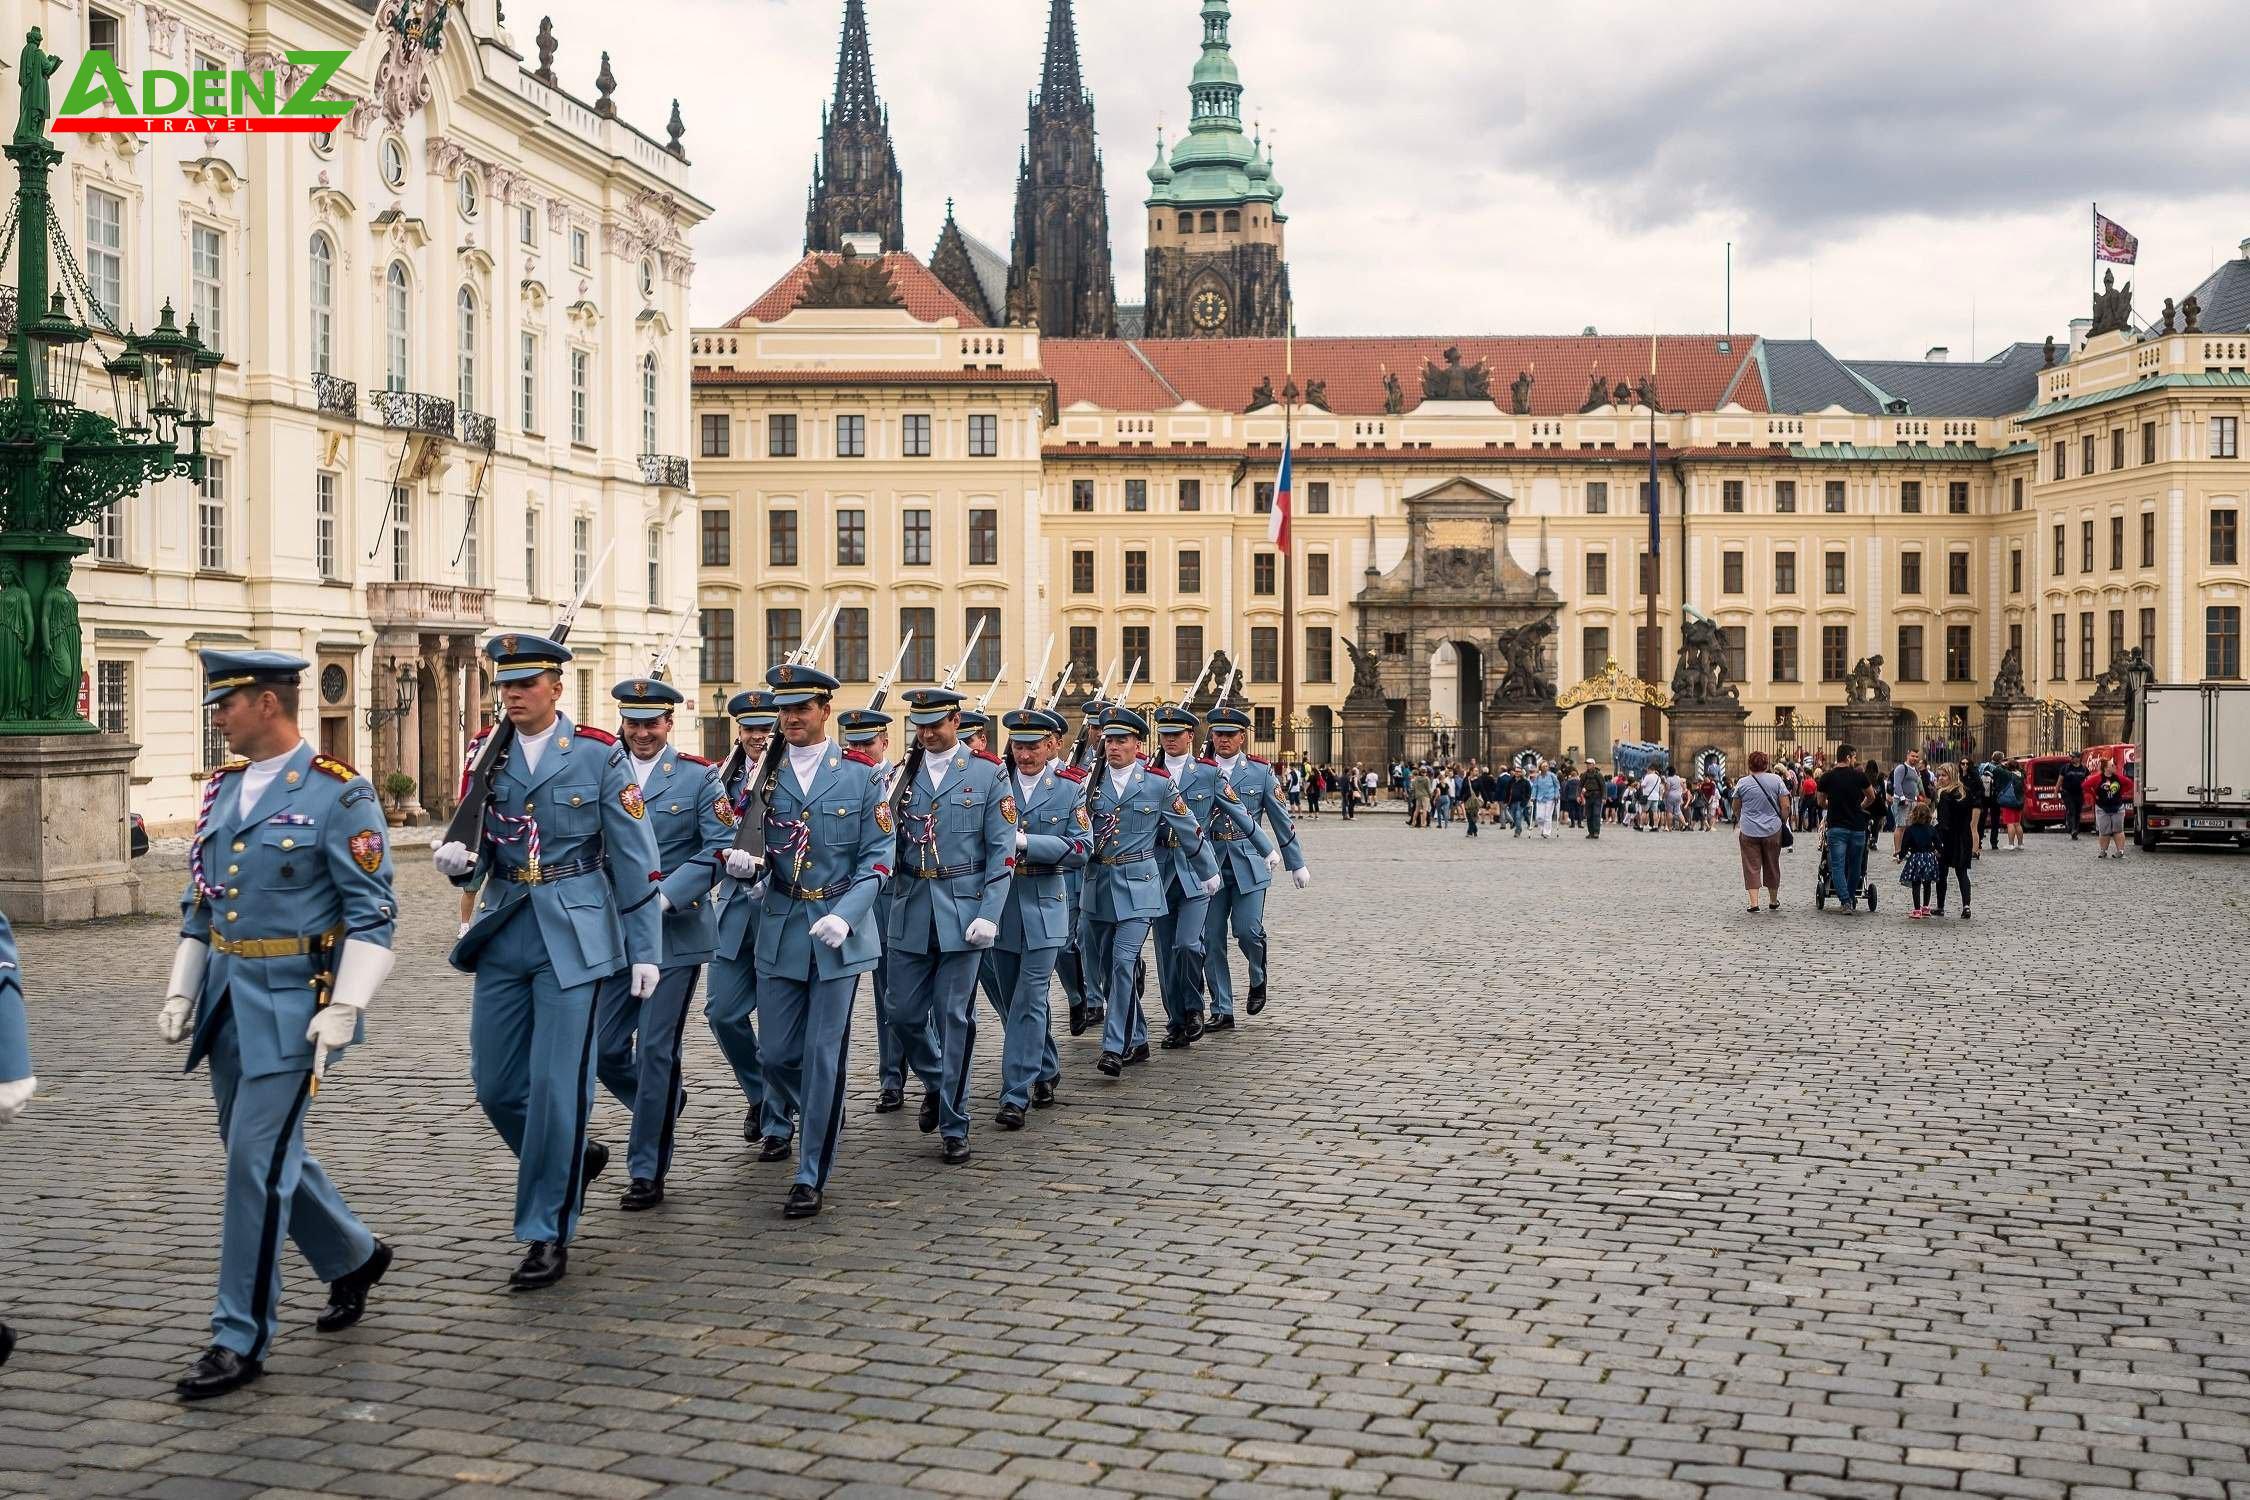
728, 1007
637, 1058
1179, 955
1245, 912
531, 1057
808, 1043
1027, 1038
1112, 948
933, 1008
275, 1189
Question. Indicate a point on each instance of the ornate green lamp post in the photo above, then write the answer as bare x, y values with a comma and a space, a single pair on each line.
61, 465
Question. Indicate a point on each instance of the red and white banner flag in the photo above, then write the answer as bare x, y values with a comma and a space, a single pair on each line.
2111, 242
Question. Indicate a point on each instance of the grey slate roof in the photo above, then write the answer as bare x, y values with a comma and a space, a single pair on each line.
1132, 320
2224, 298
992, 273
2007, 382
1802, 376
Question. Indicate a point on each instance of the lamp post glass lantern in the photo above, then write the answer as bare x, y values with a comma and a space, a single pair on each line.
62, 465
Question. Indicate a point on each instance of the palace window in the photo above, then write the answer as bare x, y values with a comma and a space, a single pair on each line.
1957, 497
2015, 493
2222, 640
531, 554
1910, 653
2116, 636
1730, 496
1262, 575
984, 662
2061, 462
1834, 502
1785, 572
1597, 573
2148, 637
1785, 497
102, 33
648, 403
1133, 643
2225, 553
527, 382
465, 350
984, 435
1593, 648
321, 293
2116, 542
718, 538
581, 551
2086, 453
914, 548
1085, 648
1316, 575
1082, 570
1316, 504
1320, 654
1957, 572
1597, 497
2222, 437
920, 662
113, 696
1191, 494
580, 244
716, 432
1261, 498
1909, 497
984, 538
207, 254
402, 534
1910, 572
2117, 447
1835, 652
851, 538
1136, 570
1832, 575
781, 434
1190, 571
2015, 570
109, 533
1730, 572
851, 436
1734, 642
2086, 545
914, 434
211, 517
1265, 653
1960, 654
2086, 645
716, 660
2058, 666
581, 378
2148, 538
656, 566
1785, 653
397, 323
851, 645
1082, 496
1394, 643
2148, 442
1136, 494
2062, 549
327, 524
1187, 652
785, 632
781, 539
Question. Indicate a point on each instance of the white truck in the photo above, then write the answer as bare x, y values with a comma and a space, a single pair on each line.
2193, 781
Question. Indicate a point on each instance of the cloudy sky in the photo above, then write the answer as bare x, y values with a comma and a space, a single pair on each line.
1891, 177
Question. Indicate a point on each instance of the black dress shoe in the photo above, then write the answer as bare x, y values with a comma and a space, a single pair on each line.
641, 1196
803, 1203
1175, 1040
1137, 1055
1095, 1015
1042, 1094
1078, 1020
1218, 1023
956, 1150
590, 1167
1195, 1026
890, 1101
1111, 1064
1010, 1117
216, 1373
347, 1295
1257, 1000
7, 1342
928, 1119
543, 1265
752, 1131
773, 1148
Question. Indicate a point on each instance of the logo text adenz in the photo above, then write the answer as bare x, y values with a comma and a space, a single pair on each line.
205, 101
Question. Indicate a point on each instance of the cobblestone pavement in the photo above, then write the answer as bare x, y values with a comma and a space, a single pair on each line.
1547, 1173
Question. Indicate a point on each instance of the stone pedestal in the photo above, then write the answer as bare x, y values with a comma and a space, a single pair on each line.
1695, 728
2011, 727
1367, 735
2105, 723
1866, 727
1513, 727
65, 837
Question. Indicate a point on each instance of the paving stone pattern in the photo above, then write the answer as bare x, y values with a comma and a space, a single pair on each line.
1547, 1173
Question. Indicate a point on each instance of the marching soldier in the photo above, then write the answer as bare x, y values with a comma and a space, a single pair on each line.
285, 937
1241, 900
976, 731
1081, 984
868, 731
16, 1083
638, 1041
733, 996
1180, 932
1052, 838
828, 836
1128, 804
956, 849
568, 868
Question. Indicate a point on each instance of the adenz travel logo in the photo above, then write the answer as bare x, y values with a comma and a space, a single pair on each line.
206, 101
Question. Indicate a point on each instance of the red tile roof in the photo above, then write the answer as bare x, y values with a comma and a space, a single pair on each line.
855, 377
1693, 373
927, 298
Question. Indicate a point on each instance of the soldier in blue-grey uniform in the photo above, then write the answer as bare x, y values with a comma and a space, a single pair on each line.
285, 936
569, 877
637, 1042
956, 852
17, 1084
1130, 803
1081, 984
1053, 836
1247, 868
868, 730
1180, 931
828, 838
731, 1002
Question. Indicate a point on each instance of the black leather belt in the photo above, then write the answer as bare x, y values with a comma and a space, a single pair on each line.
948, 872
1041, 870
809, 892
1227, 838
1124, 859
543, 874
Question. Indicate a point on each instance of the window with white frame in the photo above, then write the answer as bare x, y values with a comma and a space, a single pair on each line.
648, 403
527, 225
105, 250
465, 193
402, 535
531, 579
393, 161
109, 533
207, 256
527, 381
211, 517
397, 324
580, 365
656, 565
113, 697
321, 292
465, 349
327, 524
472, 547
578, 248
581, 548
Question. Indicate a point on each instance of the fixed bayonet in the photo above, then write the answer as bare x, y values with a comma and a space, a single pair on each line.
974, 636
883, 683
660, 667
997, 677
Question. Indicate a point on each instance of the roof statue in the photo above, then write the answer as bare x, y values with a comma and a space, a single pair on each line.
1644, 391
2047, 354
2191, 310
850, 280
1597, 395
2171, 315
1263, 396
1316, 394
1394, 395
2113, 306
1456, 381
1519, 394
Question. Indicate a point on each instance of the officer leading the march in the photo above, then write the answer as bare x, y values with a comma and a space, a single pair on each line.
285, 937
638, 1041
828, 836
732, 1000
1053, 836
569, 870
1240, 903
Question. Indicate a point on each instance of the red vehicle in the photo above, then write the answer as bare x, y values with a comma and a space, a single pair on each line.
2044, 807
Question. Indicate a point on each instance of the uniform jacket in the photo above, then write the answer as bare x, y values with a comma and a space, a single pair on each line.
1253, 782
736, 903
1228, 822
15, 1029
311, 856
693, 822
582, 804
1057, 835
967, 826
835, 838
1126, 876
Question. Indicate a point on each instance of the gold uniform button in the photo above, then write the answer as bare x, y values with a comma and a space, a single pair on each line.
288, 843
576, 800
231, 891
231, 869
238, 846
527, 807
230, 916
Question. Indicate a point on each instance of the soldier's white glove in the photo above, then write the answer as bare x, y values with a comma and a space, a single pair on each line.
331, 1030
1273, 861
1303, 878
663, 902
643, 983
180, 990
453, 859
742, 864
14, 1096
1210, 884
360, 972
980, 933
1023, 841
464, 932
832, 930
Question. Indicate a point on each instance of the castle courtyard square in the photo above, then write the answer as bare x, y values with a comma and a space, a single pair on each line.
1547, 1171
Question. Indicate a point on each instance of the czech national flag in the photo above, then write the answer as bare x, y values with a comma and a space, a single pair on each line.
1277, 525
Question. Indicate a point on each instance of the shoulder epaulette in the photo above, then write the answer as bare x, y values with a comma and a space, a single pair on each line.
1205, 760
598, 736
1156, 770
693, 760
230, 768
1072, 773
996, 760
333, 767
1260, 760
860, 757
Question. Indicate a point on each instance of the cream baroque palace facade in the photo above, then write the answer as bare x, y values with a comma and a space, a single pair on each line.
456, 355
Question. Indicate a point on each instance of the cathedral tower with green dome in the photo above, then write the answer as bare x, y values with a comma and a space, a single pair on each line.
1215, 254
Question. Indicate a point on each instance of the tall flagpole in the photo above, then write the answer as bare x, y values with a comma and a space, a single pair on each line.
1288, 559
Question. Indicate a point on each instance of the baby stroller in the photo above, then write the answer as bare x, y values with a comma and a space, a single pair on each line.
1824, 888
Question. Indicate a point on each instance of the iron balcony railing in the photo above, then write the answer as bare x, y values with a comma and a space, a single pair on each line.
332, 393
665, 469
414, 411
477, 430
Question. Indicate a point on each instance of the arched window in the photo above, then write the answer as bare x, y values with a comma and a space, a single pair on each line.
323, 294
396, 314
1233, 220
648, 403
1210, 222
465, 308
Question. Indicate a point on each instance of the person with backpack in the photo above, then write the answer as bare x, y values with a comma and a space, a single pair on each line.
2072, 787
2007, 791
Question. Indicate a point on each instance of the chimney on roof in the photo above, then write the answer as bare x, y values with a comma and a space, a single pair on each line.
864, 244
1934, 355
2244, 247
2079, 329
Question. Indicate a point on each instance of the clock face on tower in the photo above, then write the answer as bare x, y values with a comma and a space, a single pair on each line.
1209, 310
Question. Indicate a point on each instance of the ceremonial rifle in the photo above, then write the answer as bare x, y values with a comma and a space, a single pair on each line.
1062, 686
1226, 691
986, 701
1086, 721
466, 826
750, 828
661, 667
1031, 683
904, 787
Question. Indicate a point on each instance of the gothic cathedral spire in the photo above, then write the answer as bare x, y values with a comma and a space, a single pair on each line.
855, 186
1059, 275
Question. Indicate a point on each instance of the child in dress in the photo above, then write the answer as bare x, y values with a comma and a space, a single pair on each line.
1920, 869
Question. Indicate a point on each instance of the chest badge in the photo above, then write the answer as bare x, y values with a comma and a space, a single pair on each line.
630, 800
367, 850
